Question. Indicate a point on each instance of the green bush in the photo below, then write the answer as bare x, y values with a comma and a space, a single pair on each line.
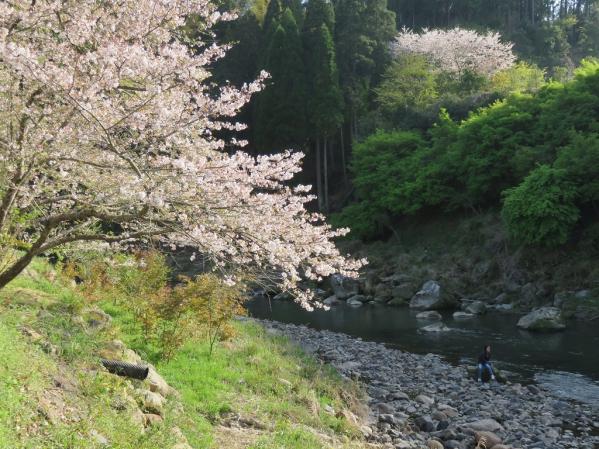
580, 159
542, 209
379, 167
469, 164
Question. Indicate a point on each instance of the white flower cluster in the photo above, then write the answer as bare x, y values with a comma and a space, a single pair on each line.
458, 50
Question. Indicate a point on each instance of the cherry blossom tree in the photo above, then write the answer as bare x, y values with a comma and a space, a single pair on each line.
458, 50
108, 135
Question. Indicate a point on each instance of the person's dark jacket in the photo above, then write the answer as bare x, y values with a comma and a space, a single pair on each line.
484, 358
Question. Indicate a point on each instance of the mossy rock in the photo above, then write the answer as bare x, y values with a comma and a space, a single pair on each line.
28, 298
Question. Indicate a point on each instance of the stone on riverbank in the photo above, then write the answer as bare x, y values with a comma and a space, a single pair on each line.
343, 287
489, 438
476, 308
429, 315
435, 327
484, 425
462, 316
355, 301
331, 301
429, 297
544, 319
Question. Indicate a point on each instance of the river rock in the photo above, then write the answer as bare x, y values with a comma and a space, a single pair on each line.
425, 423
354, 301
530, 295
398, 302
331, 301
383, 291
435, 327
543, 319
476, 308
502, 308
489, 438
462, 316
343, 287
487, 425
429, 297
361, 298
404, 291
429, 315
423, 399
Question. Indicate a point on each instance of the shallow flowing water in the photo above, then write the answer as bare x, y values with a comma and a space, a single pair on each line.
565, 362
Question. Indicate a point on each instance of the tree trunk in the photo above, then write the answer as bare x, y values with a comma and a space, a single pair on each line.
319, 176
343, 162
21, 264
326, 176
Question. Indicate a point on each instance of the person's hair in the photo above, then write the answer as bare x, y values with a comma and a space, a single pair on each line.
486, 346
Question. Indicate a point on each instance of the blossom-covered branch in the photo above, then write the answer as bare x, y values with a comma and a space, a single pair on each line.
107, 118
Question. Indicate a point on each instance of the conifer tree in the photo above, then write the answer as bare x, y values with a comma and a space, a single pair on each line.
280, 119
325, 102
363, 31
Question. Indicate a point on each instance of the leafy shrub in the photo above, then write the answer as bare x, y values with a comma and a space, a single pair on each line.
363, 220
541, 210
206, 300
168, 316
521, 78
580, 159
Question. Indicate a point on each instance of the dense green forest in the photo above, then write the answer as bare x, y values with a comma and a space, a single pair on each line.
393, 134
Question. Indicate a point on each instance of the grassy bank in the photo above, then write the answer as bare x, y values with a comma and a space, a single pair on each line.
255, 391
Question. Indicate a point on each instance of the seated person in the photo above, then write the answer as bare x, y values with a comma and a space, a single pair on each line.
484, 364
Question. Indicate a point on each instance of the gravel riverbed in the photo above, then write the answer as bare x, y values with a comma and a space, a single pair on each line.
414, 399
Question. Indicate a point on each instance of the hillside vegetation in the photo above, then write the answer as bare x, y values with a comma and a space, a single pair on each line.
254, 391
535, 156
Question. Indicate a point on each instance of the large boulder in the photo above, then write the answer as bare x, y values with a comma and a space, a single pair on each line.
404, 291
476, 308
544, 319
429, 297
342, 286
579, 305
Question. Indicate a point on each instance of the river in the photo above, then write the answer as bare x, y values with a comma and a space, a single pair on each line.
567, 362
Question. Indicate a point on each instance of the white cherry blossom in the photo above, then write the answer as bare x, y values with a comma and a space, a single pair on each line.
109, 130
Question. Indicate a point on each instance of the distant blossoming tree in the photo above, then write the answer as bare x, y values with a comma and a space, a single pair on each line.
458, 51
108, 128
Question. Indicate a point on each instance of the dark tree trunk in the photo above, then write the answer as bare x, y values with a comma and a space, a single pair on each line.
319, 175
326, 175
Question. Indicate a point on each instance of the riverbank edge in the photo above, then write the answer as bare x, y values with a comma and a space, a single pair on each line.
406, 427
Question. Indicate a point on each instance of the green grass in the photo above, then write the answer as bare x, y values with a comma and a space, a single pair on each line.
254, 378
